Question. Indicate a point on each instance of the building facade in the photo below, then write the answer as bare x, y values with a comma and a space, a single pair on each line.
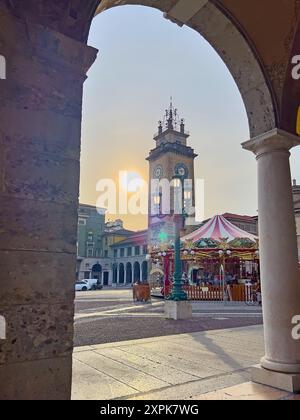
130, 264
91, 225
99, 265
246, 223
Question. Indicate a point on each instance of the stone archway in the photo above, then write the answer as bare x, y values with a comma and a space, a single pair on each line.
145, 271
97, 272
136, 272
121, 279
44, 44
129, 273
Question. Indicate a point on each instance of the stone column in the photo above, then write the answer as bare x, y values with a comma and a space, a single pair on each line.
141, 273
40, 129
279, 260
102, 277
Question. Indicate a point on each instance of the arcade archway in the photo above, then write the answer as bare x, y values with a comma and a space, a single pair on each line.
40, 138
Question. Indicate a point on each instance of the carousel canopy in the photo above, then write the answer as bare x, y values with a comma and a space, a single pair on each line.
219, 228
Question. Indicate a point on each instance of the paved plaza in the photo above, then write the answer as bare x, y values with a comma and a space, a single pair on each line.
129, 351
111, 315
210, 365
181, 366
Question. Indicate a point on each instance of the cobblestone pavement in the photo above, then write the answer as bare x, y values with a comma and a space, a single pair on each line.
109, 316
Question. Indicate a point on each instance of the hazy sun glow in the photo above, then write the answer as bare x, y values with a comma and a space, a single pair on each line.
130, 181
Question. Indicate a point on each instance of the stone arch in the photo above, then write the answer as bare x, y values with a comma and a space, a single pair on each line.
145, 271
97, 271
40, 39
121, 273
129, 273
136, 272
233, 45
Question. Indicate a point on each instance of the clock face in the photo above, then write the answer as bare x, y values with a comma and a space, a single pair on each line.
158, 172
181, 170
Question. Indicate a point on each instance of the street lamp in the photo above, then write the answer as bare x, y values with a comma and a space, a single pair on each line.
178, 294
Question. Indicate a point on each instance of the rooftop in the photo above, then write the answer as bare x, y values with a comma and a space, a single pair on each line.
118, 232
244, 218
137, 238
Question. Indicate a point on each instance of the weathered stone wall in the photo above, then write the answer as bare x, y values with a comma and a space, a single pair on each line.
40, 128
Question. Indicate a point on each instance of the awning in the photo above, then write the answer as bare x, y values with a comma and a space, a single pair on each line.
219, 228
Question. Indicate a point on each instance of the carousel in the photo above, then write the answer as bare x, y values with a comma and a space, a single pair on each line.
218, 254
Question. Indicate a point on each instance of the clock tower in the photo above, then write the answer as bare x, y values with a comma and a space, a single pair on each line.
170, 159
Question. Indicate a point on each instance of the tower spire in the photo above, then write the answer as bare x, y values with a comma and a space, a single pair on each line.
171, 120
171, 116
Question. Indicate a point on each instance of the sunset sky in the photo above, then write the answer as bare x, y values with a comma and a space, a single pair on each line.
143, 60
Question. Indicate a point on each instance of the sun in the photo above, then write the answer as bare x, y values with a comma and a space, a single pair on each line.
130, 181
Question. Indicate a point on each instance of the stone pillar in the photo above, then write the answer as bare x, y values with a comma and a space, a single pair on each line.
279, 260
141, 273
109, 278
40, 128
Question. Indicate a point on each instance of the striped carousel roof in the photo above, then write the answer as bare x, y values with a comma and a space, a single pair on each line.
219, 228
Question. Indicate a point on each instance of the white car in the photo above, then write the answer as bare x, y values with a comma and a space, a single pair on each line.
81, 286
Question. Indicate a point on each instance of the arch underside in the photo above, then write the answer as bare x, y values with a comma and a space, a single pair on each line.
232, 46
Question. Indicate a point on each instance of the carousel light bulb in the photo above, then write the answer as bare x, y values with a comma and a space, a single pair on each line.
159, 254
193, 252
164, 254
221, 253
185, 252
229, 252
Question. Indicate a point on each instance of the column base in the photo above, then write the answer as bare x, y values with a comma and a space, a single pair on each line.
286, 381
178, 310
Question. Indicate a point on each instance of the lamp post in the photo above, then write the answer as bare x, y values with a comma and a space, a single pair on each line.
178, 294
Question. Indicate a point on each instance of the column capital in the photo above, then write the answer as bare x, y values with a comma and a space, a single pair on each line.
274, 140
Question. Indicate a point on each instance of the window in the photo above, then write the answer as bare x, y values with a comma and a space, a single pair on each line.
90, 252
90, 237
115, 253
137, 250
145, 249
129, 252
82, 222
106, 254
122, 252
